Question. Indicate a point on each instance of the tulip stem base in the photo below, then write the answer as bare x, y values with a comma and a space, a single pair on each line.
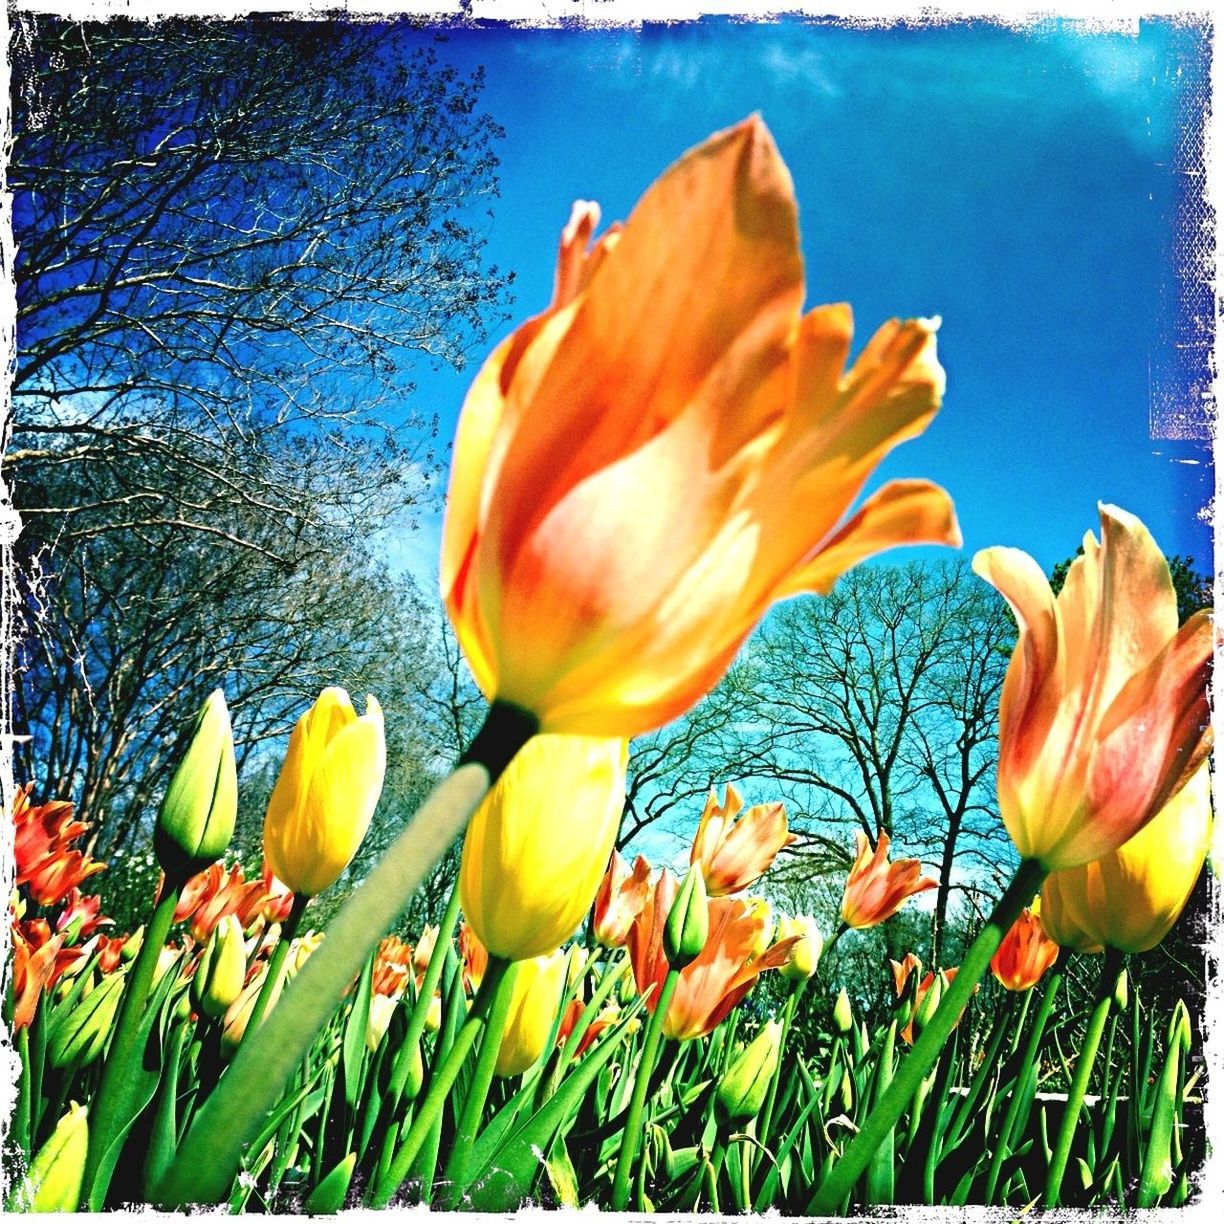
104, 1115
842, 1178
633, 1117
211, 1152
505, 730
1110, 967
456, 1173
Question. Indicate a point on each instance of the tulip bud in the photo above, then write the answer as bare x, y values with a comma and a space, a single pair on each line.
843, 1017
382, 1008
78, 1038
804, 955
576, 962
1179, 1027
197, 814
1121, 993
131, 945
928, 1003
688, 923
56, 1176
239, 1014
433, 1014
847, 1093
534, 1000
741, 1092
222, 969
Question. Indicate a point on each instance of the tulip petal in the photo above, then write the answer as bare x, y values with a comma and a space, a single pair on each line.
902, 512
708, 267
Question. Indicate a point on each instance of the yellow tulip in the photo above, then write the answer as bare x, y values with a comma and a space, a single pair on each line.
1131, 898
533, 1008
537, 847
325, 795
805, 955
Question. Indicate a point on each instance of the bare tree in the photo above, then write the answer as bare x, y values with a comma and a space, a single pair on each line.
234, 241
877, 710
225, 230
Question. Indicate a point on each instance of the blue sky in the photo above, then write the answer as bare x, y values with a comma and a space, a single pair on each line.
1024, 185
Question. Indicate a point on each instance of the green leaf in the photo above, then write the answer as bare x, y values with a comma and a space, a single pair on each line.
561, 1175
355, 1035
328, 1196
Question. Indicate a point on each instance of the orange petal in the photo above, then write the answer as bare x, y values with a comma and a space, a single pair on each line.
697, 299
902, 512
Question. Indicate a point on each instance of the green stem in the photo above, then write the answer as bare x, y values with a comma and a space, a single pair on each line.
211, 1152
21, 1116
440, 1084
1083, 1072
473, 1106
1003, 1139
846, 1172
104, 1115
633, 1117
276, 963
405, 1056
988, 1068
788, 1015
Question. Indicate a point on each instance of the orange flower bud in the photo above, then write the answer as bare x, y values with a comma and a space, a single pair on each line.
1025, 953
620, 899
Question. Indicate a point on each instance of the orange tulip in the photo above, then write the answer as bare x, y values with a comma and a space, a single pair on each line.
47, 864
392, 967
901, 973
474, 955
213, 894
733, 850
723, 973
1025, 953
620, 899
1104, 711
644, 468
875, 888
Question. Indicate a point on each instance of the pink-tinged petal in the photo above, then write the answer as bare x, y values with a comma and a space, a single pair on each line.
902, 512
1033, 687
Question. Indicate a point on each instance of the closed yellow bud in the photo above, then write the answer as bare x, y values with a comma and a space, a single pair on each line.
56, 1175
325, 795
433, 1014
536, 849
382, 1008
222, 969
804, 955
533, 1008
239, 1014
1130, 898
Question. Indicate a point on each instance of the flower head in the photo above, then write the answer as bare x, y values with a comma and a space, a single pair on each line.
535, 849
734, 848
1130, 898
326, 792
620, 899
534, 1000
47, 864
719, 977
901, 978
1025, 953
805, 952
671, 447
1104, 710
875, 888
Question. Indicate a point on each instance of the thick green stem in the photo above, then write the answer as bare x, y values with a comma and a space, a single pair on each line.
440, 1084
846, 1172
211, 1152
104, 1115
473, 1106
21, 1115
632, 1134
276, 963
1083, 1072
1003, 1140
